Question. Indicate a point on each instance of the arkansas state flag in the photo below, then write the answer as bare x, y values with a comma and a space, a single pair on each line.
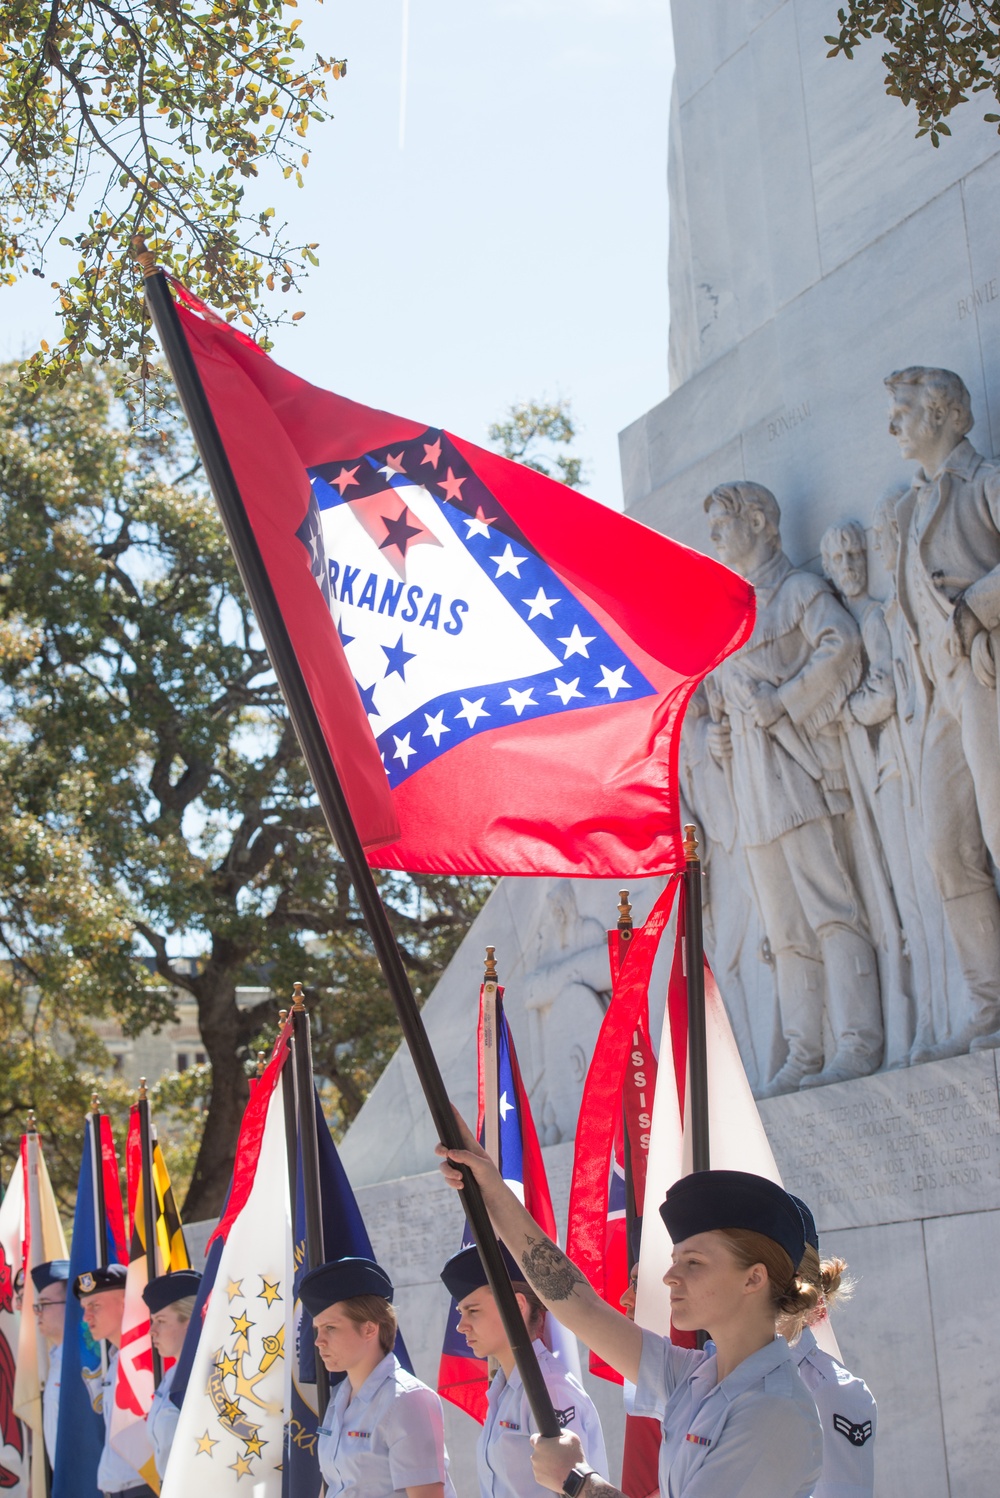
523, 654
507, 1130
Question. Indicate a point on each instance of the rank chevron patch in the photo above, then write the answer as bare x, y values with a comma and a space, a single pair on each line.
856, 1434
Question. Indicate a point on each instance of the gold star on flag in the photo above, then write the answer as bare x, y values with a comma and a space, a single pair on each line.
227, 1366
241, 1325
241, 1467
234, 1288
269, 1292
205, 1444
254, 1445
231, 1411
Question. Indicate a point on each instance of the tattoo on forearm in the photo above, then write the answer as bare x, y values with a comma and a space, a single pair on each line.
599, 1487
553, 1275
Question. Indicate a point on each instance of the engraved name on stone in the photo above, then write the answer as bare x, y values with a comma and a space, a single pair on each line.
791, 417
988, 291
896, 1148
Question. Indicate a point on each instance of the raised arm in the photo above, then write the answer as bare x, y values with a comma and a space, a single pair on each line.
555, 1278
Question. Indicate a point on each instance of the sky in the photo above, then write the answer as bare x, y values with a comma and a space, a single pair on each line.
508, 243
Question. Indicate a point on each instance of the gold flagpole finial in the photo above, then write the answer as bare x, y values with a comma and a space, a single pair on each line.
690, 842
32, 1126
95, 1103
624, 913
144, 255
490, 966
143, 1095
298, 998
261, 1062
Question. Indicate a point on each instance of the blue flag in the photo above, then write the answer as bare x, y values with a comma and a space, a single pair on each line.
344, 1236
80, 1438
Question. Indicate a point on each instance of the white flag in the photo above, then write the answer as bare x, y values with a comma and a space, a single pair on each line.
13, 1436
45, 1241
737, 1141
232, 1421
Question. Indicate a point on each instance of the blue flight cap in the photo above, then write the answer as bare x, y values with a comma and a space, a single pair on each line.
54, 1272
709, 1200
464, 1273
92, 1281
808, 1222
168, 1288
342, 1280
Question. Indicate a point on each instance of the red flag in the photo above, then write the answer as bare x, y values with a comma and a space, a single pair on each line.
523, 654
503, 1102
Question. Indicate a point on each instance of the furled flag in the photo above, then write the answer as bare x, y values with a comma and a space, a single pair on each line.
344, 1236
44, 1240
98, 1238
737, 1140
507, 1130
13, 1442
232, 1419
523, 654
134, 1387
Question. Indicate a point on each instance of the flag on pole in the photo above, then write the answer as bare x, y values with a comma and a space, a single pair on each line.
232, 1417
44, 1240
500, 629
96, 1240
507, 1130
736, 1134
13, 1443
134, 1387
344, 1236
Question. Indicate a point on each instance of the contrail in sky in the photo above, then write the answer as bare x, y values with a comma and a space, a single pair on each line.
402, 73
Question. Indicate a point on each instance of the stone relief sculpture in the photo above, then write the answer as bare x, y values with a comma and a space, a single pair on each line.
947, 580
783, 698
884, 802
850, 757
565, 988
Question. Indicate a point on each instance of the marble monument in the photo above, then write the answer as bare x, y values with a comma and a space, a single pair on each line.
834, 354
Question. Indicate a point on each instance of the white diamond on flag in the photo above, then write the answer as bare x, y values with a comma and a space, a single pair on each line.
452, 623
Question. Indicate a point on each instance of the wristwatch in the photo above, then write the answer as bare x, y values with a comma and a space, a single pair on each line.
575, 1479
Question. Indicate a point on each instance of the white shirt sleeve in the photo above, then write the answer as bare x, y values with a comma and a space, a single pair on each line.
414, 1433
662, 1366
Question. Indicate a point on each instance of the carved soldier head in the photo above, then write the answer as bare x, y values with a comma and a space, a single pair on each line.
744, 524
845, 558
930, 413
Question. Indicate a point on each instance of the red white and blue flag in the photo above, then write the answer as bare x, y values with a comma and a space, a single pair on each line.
506, 1124
522, 654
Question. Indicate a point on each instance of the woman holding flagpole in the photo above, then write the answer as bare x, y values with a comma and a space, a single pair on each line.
737, 1422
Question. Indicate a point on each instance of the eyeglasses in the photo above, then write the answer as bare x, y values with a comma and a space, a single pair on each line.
41, 1305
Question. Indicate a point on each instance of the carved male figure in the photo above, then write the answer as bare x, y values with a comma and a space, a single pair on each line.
948, 584
784, 695
880, 784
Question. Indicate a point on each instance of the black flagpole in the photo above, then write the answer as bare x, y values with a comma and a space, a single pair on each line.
694, 962
335, 809
312, 1202
148, 1204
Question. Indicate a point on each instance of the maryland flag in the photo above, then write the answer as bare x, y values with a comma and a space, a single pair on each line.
232, 1420
135, 1386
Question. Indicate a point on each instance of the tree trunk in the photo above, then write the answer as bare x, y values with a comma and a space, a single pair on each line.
219, 1021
